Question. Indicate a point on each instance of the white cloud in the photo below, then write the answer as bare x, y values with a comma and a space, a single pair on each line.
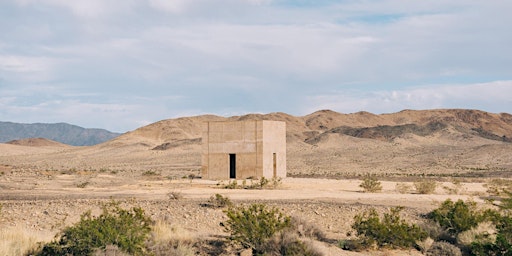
492, 96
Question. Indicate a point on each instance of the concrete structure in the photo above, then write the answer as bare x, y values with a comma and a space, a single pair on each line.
244, 149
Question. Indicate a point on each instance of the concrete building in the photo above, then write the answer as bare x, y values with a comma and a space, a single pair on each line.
244, 149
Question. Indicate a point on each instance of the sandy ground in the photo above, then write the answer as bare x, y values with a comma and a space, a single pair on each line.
47, 202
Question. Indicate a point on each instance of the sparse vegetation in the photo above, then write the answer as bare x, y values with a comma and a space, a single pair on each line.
371, 184
456, 217
82, 184
175, 195
150, 173
288, 243
219, 201
497, 187
456, 187
442, 248
262, 183
126, 229
167, 239
402, 188
390, 231
252, 226
425, 186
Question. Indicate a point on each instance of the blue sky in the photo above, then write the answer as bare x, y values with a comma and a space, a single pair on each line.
122, 64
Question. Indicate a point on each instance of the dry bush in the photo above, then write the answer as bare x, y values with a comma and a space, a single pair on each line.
484, 232
307, 229
219, 201
496, 187
171, 240
288, 242
455, 188
425, 245
18, 241
110, 250
425, 186
443, 249
175, 195
403, 188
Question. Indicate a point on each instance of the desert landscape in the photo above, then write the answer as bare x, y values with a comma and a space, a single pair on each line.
46, 186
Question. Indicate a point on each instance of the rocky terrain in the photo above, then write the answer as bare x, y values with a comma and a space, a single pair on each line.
45, 185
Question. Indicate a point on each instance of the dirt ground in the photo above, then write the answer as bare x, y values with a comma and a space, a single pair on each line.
46, 202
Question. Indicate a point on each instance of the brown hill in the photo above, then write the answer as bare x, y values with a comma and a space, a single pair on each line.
361, 124
325, 143
37, 142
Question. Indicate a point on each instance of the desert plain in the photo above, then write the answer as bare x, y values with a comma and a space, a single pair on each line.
45, 185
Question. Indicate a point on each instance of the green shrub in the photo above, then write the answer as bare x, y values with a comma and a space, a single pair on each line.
126, 229
456, 217
370, 184
391, 231
425, 186
253, 225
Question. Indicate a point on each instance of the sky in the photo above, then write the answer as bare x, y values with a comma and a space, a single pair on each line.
123, 64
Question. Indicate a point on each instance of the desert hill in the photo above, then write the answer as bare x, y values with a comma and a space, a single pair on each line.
36, 142
468, 143
361, 124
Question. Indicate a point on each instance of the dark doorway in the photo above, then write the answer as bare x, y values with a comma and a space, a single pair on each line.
232, 166
275, 165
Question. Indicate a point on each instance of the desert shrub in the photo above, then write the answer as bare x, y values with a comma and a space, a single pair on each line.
484, 232
307, 229
353, 245
425, 245
219, 201
126, 229
21, 241
253, 225
455, 188
442, 248
175, 195
171, 240
456, 217
262, 183
370, 184
83, 184
390, 231
497, 187
231, 185
150, 173
110, 250
288, 243
402, 188
425, 186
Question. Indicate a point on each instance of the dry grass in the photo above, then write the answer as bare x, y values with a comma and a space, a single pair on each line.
484, 232
18, 241
171, 240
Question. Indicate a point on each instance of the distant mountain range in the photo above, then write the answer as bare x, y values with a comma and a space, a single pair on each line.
60, 132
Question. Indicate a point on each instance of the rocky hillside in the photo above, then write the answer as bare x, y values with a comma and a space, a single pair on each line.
312, 128
60, 132
454, 142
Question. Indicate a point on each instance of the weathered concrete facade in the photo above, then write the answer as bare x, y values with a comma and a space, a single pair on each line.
243, 149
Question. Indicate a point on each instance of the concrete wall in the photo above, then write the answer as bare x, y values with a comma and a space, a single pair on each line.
253, 142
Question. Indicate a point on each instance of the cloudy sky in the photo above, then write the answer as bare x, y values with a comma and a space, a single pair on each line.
122, 64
